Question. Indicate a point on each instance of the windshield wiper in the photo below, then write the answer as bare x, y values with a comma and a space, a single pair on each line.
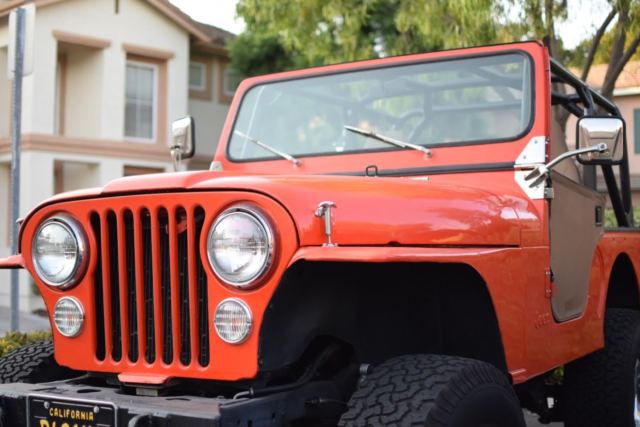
268, 148
388, 140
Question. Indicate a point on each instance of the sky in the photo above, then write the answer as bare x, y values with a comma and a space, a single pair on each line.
583, 17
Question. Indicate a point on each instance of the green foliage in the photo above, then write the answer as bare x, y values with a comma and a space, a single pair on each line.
577, 56
299, 33
13, 340
556, 377
256, 53
283, 35
610, 217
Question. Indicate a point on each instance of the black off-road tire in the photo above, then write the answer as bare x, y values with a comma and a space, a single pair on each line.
434, 391
600, 388
33, 363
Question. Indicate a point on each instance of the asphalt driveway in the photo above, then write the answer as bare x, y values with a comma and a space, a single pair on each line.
532, 421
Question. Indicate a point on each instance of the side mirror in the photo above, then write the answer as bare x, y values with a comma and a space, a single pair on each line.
183, 143
601, 130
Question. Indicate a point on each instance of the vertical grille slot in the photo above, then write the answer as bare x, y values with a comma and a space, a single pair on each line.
131, 285
183, 280
112, 242
201, 281
165, 286
97, 290
145, 220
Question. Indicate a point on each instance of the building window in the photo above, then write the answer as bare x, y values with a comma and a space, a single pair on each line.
141, 99
227, 83
197, 76
636, 129
231, 80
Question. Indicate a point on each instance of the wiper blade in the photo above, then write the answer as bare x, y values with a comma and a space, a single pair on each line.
388, 140
267, 147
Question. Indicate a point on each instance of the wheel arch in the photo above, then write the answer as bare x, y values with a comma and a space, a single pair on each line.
622, 289
374, 308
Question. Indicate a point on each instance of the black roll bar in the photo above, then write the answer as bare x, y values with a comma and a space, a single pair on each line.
589, 98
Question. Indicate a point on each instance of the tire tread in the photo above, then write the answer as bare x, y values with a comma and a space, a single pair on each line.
598, 390
418, 390
32, 363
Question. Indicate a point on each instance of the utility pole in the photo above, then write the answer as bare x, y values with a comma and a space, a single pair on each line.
16, 131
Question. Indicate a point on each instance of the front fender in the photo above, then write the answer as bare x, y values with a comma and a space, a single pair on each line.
12, 262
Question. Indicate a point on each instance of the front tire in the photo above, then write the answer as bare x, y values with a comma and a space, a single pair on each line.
32, 363
603, 388
434, 391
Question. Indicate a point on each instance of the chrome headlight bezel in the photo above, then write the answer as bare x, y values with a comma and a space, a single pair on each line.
263, 222
73, 227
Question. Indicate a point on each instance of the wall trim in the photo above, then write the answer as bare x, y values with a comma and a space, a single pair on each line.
149, 52
81, 40
90, 147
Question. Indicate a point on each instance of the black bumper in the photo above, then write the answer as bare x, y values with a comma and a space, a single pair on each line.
161, 411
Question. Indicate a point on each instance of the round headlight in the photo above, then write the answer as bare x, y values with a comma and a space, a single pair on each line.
232, 321
240, 246
58, 251
68, 316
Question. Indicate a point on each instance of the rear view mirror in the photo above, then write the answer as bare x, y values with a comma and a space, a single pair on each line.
601, 130
183, 144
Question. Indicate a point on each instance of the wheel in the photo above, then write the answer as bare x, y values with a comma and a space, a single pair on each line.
33, 363
434, 391
603, 389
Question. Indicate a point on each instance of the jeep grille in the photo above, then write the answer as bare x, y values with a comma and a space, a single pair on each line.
150, 285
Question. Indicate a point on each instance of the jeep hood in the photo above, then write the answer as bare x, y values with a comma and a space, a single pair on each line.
370, 211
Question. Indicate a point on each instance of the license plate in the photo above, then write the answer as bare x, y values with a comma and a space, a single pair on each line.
47, 411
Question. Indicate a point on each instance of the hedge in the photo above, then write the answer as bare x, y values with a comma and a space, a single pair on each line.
13, 340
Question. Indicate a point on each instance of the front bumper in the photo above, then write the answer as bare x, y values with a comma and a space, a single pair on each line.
165, 411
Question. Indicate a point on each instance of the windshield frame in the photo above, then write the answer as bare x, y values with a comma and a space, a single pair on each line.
401, 63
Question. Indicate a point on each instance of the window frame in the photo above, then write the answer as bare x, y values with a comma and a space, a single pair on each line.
155, 104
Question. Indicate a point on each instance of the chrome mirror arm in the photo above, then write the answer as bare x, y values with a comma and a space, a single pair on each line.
540, 173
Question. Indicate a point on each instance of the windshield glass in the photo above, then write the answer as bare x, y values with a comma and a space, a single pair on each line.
435, 104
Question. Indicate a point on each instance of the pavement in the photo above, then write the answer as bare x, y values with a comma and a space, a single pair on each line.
28, 322
532, 421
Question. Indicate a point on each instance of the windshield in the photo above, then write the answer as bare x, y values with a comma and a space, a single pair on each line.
434, 104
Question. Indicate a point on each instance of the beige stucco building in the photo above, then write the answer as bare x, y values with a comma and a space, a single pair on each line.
627, 97
109, 76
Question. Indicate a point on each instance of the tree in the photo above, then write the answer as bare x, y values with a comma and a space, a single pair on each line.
618, 46
300, 33
282, 35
